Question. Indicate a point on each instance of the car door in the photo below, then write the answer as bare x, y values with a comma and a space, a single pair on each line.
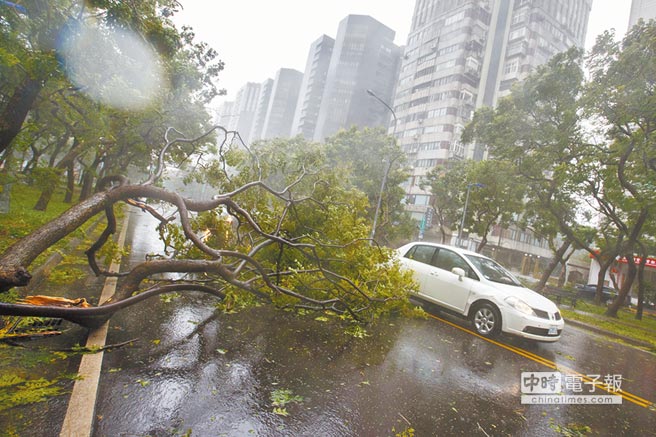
419, 259
446, 287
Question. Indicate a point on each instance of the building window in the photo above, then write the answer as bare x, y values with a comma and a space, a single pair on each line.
454, 18
515, 34
511, 67
427, 163
519, 17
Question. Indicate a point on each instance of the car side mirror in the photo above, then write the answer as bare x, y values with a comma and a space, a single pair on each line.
458, 271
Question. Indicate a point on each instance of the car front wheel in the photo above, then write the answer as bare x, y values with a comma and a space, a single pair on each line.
487, 320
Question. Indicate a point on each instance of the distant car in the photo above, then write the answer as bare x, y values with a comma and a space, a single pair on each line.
589, 290
480, 289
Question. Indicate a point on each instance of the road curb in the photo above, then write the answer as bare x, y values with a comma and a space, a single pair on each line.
611, 334
79, 418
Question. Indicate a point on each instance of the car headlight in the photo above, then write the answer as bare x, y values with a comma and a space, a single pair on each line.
520, 305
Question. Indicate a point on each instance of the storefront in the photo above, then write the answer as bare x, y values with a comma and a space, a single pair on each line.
619, 270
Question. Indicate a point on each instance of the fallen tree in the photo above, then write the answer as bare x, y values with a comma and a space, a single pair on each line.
291, 235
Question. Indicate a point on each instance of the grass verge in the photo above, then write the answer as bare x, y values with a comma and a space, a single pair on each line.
22, 219
625, 325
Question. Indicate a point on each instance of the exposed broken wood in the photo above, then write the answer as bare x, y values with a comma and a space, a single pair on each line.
55, 301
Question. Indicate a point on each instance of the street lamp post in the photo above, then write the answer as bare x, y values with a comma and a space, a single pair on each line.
387, 170
464, 211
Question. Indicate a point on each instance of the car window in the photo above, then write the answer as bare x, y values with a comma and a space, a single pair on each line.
421, 253
447, 260
493, 271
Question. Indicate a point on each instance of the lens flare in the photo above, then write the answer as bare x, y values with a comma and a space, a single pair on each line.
112, 66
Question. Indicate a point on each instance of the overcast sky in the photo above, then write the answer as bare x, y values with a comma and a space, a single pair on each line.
255, 38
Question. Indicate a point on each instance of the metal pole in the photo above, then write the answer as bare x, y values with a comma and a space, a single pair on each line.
380, 199
387, 170
464, 212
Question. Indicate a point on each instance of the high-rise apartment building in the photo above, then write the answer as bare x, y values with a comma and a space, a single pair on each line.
225, 115
282, 104
244, 109
261, 110
364, 57
645, 9
312, 87
464, 54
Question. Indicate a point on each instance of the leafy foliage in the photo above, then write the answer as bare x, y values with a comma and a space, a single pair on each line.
365, 158
582, 147
327, 211
495, 197
16, 391
282, 397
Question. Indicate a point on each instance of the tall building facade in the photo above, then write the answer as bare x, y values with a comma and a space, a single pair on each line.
245, 107
364, 57
645, 9
261, 110
464, 54
225, 115
312, 87
282, 104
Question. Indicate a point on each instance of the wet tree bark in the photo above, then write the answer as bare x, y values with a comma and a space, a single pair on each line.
70, 182
16, 110
558, 256
641, 287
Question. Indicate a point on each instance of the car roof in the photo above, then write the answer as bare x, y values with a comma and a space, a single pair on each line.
446, 246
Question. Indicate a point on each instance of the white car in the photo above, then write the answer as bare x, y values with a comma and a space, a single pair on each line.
477, 287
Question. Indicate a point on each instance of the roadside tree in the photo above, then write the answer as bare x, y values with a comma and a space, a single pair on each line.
621, 97
537, 130
366, 157
494, 197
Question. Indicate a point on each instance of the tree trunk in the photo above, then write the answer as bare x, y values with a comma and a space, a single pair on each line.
16, 110
15, 260
603, 268
44, 199
87, 184
31, 163
641, 296
641, 285
482, 244
562, 278
89, 173
70, 182
563, 274
67, 160
626, 287
558, 256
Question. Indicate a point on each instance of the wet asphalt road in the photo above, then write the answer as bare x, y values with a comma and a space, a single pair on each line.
213, 374
195, 370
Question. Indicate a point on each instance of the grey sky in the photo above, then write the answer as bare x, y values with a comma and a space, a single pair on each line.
257, 37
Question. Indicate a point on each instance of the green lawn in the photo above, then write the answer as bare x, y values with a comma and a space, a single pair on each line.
642, 330
22, 218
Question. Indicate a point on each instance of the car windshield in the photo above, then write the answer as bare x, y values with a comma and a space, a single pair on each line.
493, 271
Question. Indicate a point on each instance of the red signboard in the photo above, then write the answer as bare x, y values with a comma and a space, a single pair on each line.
651, 262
